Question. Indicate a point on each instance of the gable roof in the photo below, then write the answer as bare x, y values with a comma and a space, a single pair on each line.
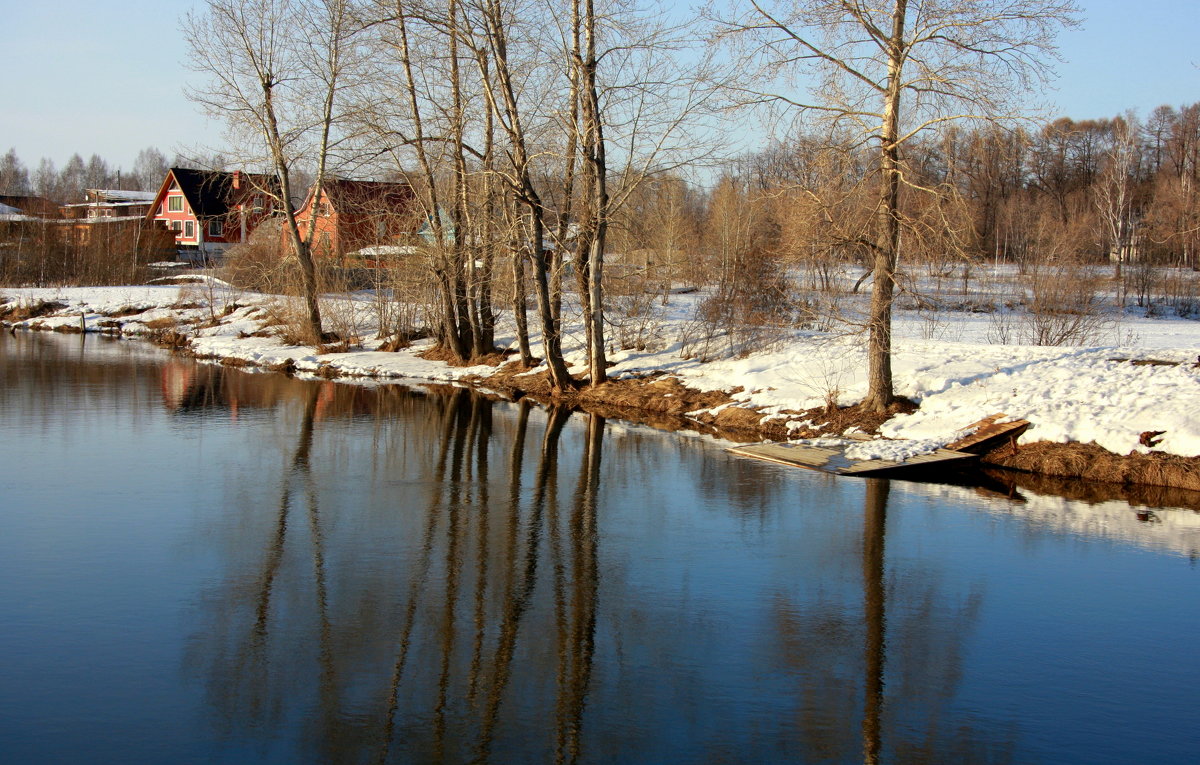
210, 192
366, 196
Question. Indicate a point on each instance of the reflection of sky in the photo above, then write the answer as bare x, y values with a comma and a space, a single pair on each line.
730, 603
1079, 637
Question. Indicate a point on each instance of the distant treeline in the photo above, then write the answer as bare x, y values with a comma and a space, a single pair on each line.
66, 184
1120, 189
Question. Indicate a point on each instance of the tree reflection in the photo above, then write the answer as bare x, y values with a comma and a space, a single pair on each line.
909, 639
465, 663
874, 612
454, 616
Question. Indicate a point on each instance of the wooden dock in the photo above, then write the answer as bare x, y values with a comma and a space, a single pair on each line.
832, 459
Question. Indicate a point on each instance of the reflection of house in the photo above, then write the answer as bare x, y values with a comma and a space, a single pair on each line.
351, 215
110, 203
210, 210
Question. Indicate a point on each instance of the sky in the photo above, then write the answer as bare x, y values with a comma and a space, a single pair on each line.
108, 77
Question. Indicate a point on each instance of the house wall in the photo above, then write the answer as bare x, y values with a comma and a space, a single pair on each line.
178, 219
358, 231
346, 231
327, 229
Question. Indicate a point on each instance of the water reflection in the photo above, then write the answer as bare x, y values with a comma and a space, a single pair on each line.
489, 613
874, 596
455, 611
397, 574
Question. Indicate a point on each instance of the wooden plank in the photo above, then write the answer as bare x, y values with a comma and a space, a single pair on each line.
832, 459
987, 434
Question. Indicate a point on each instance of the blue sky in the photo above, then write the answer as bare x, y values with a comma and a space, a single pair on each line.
108, 76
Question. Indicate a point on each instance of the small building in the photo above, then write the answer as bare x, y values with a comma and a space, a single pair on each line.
110, 203
212, 210
357, 215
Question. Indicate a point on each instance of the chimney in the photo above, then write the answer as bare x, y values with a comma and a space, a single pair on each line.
237, 179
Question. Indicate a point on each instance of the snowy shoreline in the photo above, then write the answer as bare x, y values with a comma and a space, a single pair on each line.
1107, 395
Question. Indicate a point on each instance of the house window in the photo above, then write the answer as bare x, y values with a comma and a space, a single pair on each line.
177, 225
189, 229
258, 201
175, 204
216, 228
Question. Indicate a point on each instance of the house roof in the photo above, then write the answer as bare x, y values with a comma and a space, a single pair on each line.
118, 196
366, 196
210, 192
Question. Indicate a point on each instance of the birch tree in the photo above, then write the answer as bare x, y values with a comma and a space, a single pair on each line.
889, 71
275, 72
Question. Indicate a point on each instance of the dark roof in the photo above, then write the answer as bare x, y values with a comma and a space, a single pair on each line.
367, 196
209, 192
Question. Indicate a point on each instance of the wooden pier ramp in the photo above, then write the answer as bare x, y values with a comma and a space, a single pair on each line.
832, 459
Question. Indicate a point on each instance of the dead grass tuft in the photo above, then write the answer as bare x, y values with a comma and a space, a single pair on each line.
126, 311
165, 322
1094, 463
340, 346
17, 311
445, 355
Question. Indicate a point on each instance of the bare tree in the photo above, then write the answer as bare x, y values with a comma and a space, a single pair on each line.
149, 168
1114, 190
274, 70
14, 176
504, 100
890, 72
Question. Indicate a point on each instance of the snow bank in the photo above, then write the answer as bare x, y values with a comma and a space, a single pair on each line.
1069, 394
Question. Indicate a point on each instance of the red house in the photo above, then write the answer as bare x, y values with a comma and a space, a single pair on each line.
351, 215
211, 210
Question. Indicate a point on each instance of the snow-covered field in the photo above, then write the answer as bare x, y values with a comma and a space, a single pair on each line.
943, 361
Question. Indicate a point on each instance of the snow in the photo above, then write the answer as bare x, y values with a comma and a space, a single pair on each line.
1083, 394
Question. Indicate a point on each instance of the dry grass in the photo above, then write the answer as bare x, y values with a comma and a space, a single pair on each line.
1094, 463
19, 311
1095, 492
165, 322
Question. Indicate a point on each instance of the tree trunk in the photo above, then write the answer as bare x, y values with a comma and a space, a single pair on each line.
880, 391
594, 154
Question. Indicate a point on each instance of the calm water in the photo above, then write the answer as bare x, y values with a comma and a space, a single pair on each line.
202, 565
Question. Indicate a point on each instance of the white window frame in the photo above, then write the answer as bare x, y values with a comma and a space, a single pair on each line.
174, 200
216, 228
189, 229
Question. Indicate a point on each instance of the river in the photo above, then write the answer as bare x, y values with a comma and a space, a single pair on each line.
201, 564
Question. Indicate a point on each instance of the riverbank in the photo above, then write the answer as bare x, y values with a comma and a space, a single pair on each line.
1127, 413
